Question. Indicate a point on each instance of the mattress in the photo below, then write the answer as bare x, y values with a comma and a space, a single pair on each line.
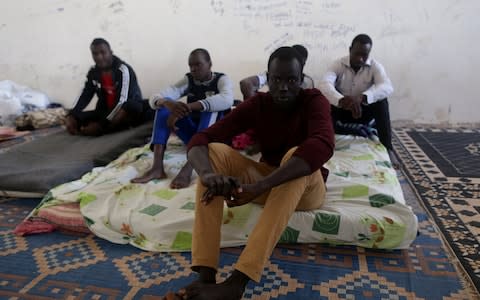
364, 204
33, 168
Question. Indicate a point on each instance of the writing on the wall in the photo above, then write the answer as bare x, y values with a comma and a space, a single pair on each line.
175, 5
285, 21
278, 42
304, 7
297, 20
272, 10
331, 5
218, 7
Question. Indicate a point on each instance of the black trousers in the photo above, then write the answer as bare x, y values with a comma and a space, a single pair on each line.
135, 117
378, 111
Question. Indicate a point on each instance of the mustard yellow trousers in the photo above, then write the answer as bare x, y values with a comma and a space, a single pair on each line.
304, 193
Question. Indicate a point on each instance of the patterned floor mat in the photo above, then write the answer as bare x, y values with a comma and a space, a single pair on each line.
61, 266
443, 166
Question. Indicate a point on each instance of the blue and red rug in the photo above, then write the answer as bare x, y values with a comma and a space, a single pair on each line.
63, 266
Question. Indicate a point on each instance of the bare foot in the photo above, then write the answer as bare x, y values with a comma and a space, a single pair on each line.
150, 175
183, 178
393, 158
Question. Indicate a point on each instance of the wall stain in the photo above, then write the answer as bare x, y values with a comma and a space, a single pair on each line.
117, 7
441, 114
105, 26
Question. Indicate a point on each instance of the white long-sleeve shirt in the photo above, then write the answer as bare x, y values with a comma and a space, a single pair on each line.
218, 102
341, 80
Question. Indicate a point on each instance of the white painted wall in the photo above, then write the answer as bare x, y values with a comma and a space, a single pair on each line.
429, 48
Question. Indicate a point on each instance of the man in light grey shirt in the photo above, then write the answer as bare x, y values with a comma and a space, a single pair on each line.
209, 95
357, 88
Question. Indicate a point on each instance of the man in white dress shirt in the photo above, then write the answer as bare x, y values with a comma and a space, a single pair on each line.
357, 87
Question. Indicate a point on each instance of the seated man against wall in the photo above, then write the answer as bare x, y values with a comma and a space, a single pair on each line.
250, 85
208, 93
120, 104
357, 87
295, 134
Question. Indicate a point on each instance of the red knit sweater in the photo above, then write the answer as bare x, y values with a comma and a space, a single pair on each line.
308, 126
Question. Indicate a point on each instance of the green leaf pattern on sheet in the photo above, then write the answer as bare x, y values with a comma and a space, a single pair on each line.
183, 241
189, 206
326, 223
380, 200
88, 221
166, 194
153, 210
86, 198
355, 191
289, 235
342, 174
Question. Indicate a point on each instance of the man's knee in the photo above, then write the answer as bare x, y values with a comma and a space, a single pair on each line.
161, 117
216, 150
163, 113
219, 154
133, 107
288, 155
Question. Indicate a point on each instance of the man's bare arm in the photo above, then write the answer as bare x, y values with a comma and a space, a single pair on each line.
249, 86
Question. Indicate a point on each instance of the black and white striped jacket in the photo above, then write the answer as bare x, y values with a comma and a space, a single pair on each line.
126, 87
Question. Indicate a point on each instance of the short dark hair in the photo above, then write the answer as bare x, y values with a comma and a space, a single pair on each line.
203, 52
362, 39
302, 50
286, 54
100, 41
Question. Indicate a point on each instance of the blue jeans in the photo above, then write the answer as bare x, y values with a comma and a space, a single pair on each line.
187, 127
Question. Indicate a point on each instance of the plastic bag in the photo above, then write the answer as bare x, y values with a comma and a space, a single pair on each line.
16, 99
37, 99
26, 95
10, 108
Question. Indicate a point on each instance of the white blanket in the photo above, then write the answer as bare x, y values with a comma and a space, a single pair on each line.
364, 206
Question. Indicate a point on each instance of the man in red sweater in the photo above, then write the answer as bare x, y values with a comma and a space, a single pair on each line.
295, 135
